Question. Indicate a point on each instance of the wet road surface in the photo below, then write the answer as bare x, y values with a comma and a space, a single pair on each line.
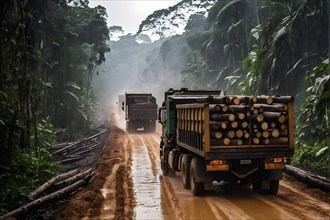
146, 182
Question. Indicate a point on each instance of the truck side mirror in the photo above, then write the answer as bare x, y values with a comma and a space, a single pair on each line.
159, 115
162, 115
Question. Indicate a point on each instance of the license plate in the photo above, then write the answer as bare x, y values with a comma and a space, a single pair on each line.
245, 161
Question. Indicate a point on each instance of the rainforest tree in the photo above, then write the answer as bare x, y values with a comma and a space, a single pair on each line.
49, 51
270, 47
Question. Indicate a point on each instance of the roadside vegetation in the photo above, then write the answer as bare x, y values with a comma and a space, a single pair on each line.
49, 51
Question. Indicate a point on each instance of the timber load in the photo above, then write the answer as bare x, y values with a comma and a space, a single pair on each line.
236, 121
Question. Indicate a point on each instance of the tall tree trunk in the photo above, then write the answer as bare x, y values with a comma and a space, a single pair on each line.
328, 105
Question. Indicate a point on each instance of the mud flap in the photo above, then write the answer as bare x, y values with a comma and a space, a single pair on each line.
200, 170
273, 175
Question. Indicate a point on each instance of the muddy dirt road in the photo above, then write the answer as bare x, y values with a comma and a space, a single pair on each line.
172, 201
128, 184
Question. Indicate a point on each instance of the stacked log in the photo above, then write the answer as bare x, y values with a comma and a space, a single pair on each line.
275, 120
232, 121
249, 120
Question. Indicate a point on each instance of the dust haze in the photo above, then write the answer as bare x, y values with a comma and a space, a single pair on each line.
140, 67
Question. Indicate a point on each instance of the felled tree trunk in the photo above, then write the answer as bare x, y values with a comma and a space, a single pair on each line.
308, 179
43, 200
36, 193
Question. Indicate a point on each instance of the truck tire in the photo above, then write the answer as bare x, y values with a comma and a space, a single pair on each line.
256, 187
146, 128
274, 185
161, 145
273, 188
196, 187
185, 170
130, 127
151, 127
167, 171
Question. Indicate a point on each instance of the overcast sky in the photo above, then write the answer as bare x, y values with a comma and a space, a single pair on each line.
130, 13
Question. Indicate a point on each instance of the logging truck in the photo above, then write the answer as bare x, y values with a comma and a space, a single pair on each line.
208, 136
140, 112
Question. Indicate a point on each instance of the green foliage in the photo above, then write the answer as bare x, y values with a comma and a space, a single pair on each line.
49, 51
226, 43
27, 171
163, 23
314, 119
248, 86
196, 22
156, 23
270, 47
46, 134
195, 69
312, 156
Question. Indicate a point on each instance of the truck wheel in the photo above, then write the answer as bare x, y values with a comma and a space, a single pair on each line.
185, 170
167, 171
196, 187
161, 145
127, 124
274, 185
146, 128
273, 188
256, 187
130, 127
152, 127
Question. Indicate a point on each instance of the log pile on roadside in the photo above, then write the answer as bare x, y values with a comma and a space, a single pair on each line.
250, 120
77, 154
78, 159
310, 179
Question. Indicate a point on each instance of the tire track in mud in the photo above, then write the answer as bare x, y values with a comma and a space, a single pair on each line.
152, 155
100, 195
247, 203
304, 199
108, 192
226, 209
167, 192
170, 200
301, 205
117, 189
